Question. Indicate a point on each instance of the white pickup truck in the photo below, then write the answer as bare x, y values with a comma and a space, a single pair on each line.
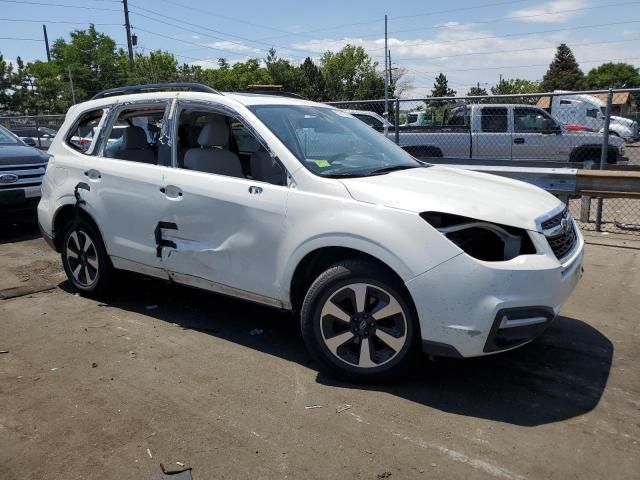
503, 132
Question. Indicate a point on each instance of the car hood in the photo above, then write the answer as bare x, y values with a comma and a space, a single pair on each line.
21, 155
460, 192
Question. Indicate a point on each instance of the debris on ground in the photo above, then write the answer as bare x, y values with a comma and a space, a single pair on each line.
180, 464
383, 475
256, 331
149, 453
94, 364
311, 407
343, 408
54, 369
179, 474
4, 351
132, 354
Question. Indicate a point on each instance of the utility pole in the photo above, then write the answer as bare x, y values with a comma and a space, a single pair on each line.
46, 42
73, 92
390, 70
127, 26
386, 72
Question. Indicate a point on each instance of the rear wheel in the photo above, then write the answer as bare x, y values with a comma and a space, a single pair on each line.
358, 322
85, 259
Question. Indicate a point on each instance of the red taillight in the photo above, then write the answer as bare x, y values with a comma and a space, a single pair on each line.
84, 142
578, 128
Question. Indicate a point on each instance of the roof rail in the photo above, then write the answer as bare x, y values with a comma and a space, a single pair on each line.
275, 93
130, 89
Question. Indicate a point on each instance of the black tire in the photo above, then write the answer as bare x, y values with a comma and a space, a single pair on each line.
340, 282
90, 281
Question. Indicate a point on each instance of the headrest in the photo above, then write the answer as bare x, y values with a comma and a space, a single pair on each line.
134, 138
215, 133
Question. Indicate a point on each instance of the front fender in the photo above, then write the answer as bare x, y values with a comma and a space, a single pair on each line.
398, 238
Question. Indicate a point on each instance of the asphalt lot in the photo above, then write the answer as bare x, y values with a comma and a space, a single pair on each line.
158, 373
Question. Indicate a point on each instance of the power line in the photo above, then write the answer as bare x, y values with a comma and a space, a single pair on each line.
23, 39
58, 21
190, 7
336, 27
506, 18
224, 39
61, 5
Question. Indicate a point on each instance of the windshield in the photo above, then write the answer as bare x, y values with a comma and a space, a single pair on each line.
6, 138
412, 118
332, 143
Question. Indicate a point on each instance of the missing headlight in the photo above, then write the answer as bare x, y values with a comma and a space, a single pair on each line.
486, 241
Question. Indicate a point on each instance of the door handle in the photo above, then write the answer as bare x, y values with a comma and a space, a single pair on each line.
171, 192
93, 174
253, 190
518, 140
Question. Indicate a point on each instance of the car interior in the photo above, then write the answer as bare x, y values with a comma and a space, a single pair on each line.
211, 142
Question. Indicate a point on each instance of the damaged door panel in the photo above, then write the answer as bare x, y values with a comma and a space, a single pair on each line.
225, 234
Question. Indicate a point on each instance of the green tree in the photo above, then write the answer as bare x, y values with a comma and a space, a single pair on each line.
613, 75
476, 91
564, 72
157, 67
441, 87
314, 85
6, 76
350, 74
282, 72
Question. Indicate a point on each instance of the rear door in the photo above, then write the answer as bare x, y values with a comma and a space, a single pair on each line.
493, 140
537, 136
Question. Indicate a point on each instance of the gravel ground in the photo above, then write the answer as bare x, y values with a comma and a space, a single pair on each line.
158, 373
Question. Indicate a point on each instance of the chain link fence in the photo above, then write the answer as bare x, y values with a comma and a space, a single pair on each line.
553, 130
35, 130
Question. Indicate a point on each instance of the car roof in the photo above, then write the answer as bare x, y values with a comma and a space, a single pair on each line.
246, 99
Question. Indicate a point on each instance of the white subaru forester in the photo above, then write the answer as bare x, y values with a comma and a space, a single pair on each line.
301, 206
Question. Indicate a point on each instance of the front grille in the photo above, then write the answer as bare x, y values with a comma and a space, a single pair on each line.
27, 175
561, 234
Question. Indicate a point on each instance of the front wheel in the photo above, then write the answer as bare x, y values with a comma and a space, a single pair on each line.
358, 322
85, 258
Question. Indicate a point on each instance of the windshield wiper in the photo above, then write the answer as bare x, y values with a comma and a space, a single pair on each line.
394, 168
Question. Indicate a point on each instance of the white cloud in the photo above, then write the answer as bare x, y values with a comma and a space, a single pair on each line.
234, 47
558, 11
195, 37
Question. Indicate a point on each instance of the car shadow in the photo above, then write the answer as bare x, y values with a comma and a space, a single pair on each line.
559, 376
12, 233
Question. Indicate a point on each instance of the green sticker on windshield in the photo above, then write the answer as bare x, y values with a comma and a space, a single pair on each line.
322, 163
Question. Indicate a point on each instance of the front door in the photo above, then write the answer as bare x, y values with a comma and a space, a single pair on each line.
225, 208
493, 141
537, 136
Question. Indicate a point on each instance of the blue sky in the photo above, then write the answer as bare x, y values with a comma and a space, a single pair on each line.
470, 41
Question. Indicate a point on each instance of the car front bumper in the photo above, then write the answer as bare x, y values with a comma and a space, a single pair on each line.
468, 307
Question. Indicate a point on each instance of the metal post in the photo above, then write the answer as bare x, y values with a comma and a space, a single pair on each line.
73, 92
604, 154
127, 26
397, 122
46, 42
386, 73
38, 133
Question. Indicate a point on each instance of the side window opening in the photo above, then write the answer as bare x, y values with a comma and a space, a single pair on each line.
494, 119
532, 121
371, 121
592, 112
212, 142
82, 136
134, 135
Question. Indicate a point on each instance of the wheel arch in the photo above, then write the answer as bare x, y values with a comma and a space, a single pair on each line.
314, 262
583, 153
63, 215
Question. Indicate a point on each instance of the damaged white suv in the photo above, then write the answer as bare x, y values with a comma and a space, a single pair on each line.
301, 206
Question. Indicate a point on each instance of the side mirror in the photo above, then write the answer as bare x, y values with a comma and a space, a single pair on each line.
30, 141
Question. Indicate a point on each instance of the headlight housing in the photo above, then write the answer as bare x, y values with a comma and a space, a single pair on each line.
482, 240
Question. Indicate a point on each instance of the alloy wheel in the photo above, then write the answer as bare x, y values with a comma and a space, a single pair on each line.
82, 258
363, 325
